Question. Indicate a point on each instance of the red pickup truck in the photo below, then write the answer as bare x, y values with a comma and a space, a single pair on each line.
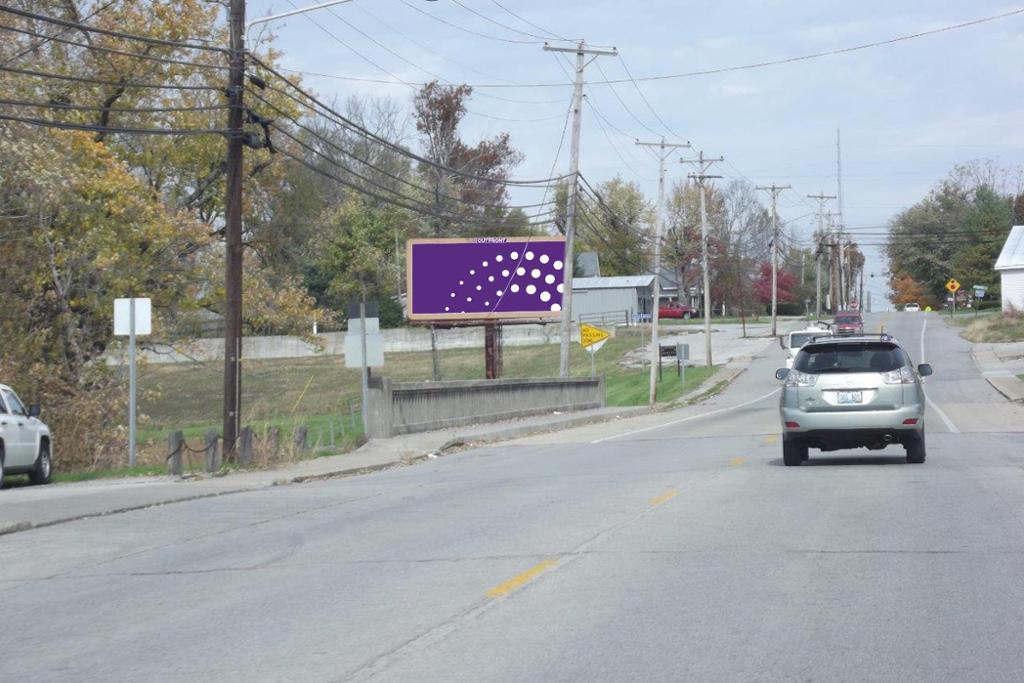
674, 309
849, 322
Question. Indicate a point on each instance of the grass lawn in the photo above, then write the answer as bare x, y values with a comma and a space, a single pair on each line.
989, 327
323, 394
964, 317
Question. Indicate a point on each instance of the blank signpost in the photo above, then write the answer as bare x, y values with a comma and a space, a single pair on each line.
132, 317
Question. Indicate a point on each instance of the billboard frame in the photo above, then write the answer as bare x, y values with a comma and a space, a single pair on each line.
472, 319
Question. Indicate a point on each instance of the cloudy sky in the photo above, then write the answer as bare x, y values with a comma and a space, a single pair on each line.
908, 111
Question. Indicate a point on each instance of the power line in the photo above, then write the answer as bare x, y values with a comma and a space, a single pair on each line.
107, 32
342, 120
366, 163
530, 23
754, 65
646, 102
612, 144
110, 50
117, 110
46, 123
432, 51
364, 191
624, 105
402, 58
33, 48
470, 31
418, 207
498, 23
101, 81
558, 151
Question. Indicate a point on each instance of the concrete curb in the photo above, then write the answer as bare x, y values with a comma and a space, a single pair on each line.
999, 377
27, 526
1009, 386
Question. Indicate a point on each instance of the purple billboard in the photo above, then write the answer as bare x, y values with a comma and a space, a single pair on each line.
485, 278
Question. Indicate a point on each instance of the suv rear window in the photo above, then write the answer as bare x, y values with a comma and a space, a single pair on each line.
857, 357
847, 319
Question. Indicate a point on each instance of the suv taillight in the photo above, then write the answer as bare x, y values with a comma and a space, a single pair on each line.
903, 375
795, 378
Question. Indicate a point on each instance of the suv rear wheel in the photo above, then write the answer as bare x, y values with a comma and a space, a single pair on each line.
915, 449
793, 452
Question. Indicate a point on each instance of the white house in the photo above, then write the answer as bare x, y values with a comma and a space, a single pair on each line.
1010, 266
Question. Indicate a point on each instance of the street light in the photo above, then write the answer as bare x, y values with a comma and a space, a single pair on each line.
290, 13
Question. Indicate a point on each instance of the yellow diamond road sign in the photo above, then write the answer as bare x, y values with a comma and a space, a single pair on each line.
590, 335
952, 286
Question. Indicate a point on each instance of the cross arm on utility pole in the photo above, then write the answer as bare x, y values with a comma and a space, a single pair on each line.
664, 145
582, 49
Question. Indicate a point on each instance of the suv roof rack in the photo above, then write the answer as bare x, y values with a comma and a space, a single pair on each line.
881, 336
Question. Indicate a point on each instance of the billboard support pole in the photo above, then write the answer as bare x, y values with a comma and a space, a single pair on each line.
492, 350
433, 354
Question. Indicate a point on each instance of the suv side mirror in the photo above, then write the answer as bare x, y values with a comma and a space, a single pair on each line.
33, 410
781, 374
925, 370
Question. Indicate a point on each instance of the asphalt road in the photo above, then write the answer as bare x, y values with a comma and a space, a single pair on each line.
668, 547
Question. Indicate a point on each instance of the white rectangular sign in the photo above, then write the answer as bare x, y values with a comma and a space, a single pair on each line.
143, 317
354, 344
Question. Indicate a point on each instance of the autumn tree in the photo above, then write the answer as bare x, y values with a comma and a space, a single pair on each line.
786, 285
906, 290
465, 182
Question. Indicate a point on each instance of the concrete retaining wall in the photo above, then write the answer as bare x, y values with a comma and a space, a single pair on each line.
409, 407
397, 340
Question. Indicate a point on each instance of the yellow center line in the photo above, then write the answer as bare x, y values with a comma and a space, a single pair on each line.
521, 579
770, 439
736, 462
664, 498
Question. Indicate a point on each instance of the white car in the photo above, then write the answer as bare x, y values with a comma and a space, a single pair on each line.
25, 444
912, 308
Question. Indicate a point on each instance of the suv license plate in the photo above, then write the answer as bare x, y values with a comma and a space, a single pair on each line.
848, 397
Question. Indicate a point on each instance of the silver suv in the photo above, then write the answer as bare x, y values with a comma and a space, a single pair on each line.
852, 392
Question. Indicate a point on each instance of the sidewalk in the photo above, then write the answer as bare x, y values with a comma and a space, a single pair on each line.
1002, 365
29, 507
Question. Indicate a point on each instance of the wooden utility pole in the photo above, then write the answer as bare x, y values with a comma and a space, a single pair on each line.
664, 149
703, 166
775, 190
822, 198
233, 231
581, 51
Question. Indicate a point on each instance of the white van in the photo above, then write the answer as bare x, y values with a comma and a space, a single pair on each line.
793, 341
